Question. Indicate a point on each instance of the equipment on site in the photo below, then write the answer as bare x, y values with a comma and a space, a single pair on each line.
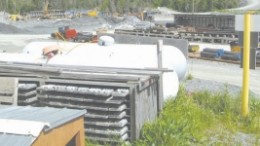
92, 13
193, 48
235, 48
15, 17
69, 34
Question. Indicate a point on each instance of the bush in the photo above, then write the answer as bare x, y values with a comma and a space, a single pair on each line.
203, 118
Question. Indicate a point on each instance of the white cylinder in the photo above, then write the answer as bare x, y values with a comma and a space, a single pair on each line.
36, 48
126, 56
170, 85
118, 55
130, 56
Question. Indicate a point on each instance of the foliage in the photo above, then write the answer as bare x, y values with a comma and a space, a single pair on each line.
202, 118
120, 6
189, 77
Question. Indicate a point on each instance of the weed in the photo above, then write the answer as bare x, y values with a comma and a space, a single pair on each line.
202, 118
189, 77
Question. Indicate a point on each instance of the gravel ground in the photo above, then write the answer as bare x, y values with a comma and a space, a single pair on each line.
212, 86
80, 24
195, 85
216, 76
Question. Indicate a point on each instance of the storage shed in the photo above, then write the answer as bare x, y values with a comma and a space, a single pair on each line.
41, 126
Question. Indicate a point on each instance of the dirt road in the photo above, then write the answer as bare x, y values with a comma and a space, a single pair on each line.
224, 73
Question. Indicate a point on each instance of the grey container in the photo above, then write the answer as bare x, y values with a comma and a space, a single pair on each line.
231, 56
209, 54
218, 52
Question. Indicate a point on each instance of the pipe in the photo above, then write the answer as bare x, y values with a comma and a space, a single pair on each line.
246, 57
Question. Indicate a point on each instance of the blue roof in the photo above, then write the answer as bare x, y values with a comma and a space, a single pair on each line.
53, 116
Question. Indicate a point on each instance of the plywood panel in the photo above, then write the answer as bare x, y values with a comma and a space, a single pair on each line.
60, 136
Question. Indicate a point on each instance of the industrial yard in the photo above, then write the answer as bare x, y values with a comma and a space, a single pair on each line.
137, 81
213, 72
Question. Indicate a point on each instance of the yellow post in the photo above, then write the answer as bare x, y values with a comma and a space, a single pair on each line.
246, 58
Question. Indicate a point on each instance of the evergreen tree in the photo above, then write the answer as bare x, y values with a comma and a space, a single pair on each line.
118, 6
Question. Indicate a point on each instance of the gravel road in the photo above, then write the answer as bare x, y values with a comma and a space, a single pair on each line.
214, 76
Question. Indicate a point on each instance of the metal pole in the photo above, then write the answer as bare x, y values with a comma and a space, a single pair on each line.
160, 85
246, 58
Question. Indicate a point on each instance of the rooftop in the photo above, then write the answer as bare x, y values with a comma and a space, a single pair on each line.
22, 125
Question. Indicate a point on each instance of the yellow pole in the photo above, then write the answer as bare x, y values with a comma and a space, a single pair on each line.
246, 58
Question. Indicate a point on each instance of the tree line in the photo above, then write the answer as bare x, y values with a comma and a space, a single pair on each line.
118, 6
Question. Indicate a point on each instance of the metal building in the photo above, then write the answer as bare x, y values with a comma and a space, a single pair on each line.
210, 21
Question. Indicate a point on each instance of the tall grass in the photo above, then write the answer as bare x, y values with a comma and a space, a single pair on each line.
203, 118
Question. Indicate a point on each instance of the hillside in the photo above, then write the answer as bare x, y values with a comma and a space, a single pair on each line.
119, 6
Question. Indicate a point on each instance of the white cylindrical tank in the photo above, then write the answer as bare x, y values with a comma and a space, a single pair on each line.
118, 55
170, 85
130, 56
36, 48
125, 56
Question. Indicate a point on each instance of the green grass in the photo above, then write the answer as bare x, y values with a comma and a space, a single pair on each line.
189, 77
202, 119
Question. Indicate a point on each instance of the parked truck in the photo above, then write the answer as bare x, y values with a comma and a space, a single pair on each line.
69, 34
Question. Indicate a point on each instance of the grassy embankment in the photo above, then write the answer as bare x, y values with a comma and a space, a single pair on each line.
203, 118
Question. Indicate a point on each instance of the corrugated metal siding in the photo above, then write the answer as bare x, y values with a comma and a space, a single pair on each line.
15, 140
55, 117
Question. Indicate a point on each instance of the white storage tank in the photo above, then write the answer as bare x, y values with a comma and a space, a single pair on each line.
124, 56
